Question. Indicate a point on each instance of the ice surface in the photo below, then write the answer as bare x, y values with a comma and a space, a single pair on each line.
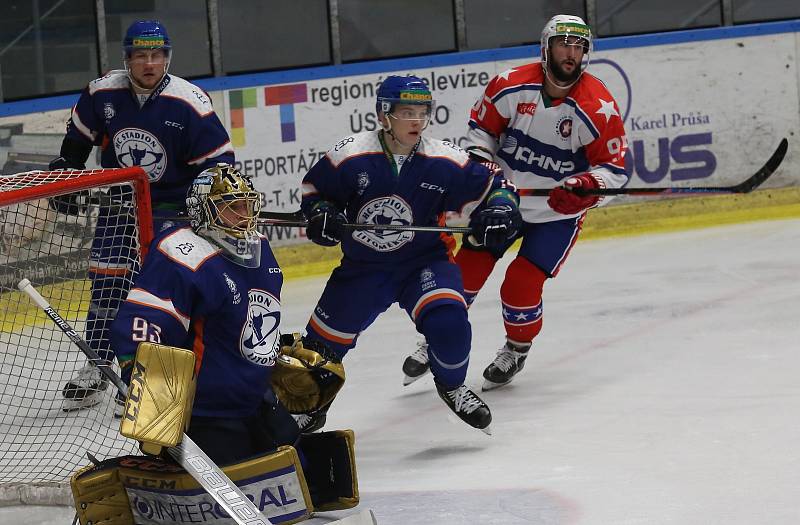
663, 389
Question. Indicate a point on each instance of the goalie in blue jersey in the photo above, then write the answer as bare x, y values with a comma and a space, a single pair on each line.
199, 336
139, 116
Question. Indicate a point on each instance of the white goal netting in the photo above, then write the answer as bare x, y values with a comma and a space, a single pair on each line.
50, 225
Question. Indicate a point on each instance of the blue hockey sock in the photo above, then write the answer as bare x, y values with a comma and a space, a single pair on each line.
449, 335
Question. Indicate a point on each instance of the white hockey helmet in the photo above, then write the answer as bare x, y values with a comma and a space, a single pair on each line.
566, 26
223, 207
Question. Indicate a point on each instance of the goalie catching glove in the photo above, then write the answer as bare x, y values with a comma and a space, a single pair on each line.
307, 375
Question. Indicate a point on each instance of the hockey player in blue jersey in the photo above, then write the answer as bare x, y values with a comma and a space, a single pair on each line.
397, 176
140, 116
215, 288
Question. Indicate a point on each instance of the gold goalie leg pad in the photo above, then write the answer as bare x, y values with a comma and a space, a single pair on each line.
160, 396
330, 469
152, 491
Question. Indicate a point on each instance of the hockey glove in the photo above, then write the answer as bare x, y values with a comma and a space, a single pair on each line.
568, 199
71, 203
325, 224
495, 225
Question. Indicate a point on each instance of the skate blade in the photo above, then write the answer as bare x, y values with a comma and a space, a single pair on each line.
407, 380
486, 430
491, 385
71, 405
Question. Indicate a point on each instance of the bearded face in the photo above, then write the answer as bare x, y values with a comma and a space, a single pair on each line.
566, 57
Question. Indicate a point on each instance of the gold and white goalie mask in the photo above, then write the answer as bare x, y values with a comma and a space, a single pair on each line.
223, 207
307, 375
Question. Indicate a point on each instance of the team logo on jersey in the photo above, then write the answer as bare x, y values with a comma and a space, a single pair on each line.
391, 210
362, 181
564, 127
237, 297
426, 280
259, 342
108, 110
137, 147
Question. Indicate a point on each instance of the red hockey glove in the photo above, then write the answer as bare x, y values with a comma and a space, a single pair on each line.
565, 200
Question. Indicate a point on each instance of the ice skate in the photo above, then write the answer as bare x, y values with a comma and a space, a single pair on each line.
416, 365
467, 405
119, 406
85, 390
509, 360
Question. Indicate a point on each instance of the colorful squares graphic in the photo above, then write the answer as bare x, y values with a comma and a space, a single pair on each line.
239, 100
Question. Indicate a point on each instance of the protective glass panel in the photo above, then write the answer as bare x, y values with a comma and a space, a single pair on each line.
625, 17
751, 11
506, 23
257, 36
384, 28
47, 47
186, 22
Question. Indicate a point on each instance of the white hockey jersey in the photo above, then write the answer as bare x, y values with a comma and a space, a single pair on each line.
539, 142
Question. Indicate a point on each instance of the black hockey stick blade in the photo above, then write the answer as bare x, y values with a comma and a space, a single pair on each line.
746, 186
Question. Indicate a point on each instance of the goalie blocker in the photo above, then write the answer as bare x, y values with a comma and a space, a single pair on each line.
154, 490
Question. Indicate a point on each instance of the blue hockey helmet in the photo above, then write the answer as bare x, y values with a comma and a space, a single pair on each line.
146, 34
402, 90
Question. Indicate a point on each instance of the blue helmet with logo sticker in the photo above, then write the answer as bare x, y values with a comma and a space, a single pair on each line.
402, 90
146, 34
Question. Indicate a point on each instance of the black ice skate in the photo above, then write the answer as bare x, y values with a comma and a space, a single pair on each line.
468, 406
509, 360
416, 365
85, 390
119, 406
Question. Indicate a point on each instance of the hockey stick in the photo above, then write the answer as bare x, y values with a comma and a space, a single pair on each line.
296, 220
375, 227
743, 187
187, 453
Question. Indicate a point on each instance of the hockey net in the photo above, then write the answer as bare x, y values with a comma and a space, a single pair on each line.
41, 445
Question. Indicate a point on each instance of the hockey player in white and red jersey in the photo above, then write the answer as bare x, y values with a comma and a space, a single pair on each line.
548, 124
398, 176
138, 116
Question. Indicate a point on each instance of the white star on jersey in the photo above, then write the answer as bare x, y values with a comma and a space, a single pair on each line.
607, 109
505, 74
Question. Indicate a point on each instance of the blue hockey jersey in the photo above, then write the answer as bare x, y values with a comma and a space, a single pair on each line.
173, 136
357, 176
188, 295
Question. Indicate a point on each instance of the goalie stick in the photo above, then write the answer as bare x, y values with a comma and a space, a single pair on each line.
187, 453
746, 186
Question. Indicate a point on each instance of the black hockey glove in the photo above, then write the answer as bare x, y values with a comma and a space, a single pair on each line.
71, 203
325, 224
495, 225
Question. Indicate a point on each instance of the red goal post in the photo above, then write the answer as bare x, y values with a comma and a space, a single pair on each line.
41, 445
